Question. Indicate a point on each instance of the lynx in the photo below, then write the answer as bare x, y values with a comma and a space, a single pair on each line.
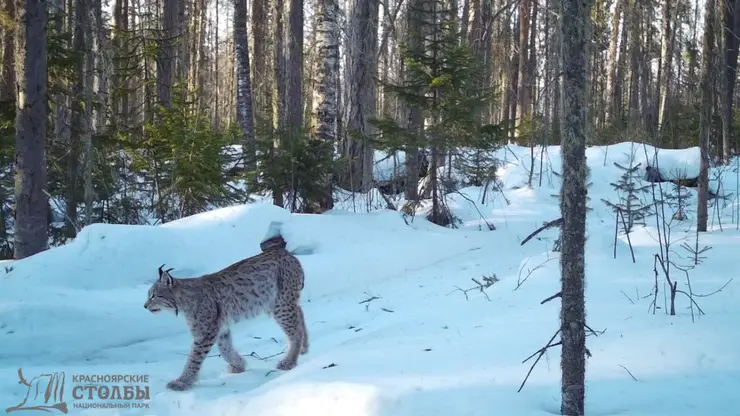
269, 283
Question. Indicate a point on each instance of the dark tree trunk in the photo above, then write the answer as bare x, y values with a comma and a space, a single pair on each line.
414, 120
244, 111
362, 73
279, 96
294, 66
260, 33
730, 22
168, 52
705, 129
573, 194
7, 82
32, 208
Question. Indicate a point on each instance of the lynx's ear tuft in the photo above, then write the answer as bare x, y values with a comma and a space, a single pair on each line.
164, 275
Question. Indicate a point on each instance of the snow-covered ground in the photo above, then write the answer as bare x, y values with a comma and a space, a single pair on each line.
391, 334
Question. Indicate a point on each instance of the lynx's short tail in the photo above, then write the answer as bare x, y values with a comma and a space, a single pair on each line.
274, 240
274, 243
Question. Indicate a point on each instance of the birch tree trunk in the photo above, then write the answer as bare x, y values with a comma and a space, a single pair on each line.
244, 111
32, 208
325, 89
573, 195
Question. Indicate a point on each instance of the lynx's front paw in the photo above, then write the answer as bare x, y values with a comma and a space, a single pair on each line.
179, 385
236, 368
286, 364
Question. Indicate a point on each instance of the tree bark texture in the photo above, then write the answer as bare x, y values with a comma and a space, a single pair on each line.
294, 66
362, 94
414, 119
31, 217
730, 23
279, 96
244, 110
707, 99
168, 52
325, 90
260, 33
523, 100
7, 82
573, 196
665, 71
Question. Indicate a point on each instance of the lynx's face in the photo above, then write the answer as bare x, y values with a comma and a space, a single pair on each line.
160, 296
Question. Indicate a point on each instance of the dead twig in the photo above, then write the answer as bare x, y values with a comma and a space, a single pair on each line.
490, 225
541, 352
520, 281
553, 223
557, 295
370, 299
488, 281
696, 295
629, 372
628, 298
257, 356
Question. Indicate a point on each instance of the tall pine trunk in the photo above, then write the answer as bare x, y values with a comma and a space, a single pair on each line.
243, 84
730, 23
523, 98
362, 95
168, 52
414, 120
32, 208
7, 82
294, 67
279, 96
665, 74
573, 195
262, 87
705, 121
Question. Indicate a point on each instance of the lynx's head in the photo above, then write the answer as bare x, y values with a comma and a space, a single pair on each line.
160, 294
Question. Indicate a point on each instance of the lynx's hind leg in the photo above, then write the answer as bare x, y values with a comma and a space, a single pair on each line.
289, 317
304, 331
237, 363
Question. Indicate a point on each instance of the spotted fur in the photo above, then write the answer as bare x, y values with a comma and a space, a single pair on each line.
269, 283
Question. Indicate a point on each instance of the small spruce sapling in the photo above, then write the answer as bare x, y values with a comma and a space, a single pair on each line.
630, 191
678, 197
